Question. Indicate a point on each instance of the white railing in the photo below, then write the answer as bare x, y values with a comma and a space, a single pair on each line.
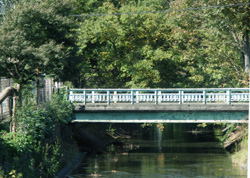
160, 96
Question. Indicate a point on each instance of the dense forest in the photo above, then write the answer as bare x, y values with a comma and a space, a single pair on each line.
109, 44
112, 43
189, 48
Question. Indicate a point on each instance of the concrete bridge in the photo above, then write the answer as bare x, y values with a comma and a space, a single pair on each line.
210, 105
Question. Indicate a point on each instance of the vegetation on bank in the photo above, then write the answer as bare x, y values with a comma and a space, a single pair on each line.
240, 155
236, 142
35, 149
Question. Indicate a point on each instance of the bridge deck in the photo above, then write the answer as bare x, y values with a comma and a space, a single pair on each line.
79, 107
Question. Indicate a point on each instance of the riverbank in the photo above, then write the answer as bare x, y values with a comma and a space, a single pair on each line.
236, 142
240, 156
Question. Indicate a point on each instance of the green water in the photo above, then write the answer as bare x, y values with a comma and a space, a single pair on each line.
173, 153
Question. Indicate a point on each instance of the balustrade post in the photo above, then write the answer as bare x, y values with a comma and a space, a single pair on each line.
156, 97
132, 97
115, 96
93, 96
108, 95
84, 99
229, 96
205, 97
159, 97
137, 97
180, 96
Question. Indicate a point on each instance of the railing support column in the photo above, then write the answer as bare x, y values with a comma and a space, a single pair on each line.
108, 95
229, 96
137, 97
180, 96
115, 96
93, 96
159, 97
84, 99
132, 97
204, 97
156, 97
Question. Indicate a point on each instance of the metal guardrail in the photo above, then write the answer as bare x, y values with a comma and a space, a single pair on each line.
160, 96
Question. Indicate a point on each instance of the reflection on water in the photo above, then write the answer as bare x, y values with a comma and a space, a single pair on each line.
173, 153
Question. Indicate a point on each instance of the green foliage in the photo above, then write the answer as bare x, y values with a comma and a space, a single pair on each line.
127, 50
47, 159
35, 36
40, 123
175, 49
35, 123
146, 125
211, 53
230, 129
111, 130
33, 150
18, 142
59, 107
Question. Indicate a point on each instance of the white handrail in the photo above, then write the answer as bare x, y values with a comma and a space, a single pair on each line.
160, 96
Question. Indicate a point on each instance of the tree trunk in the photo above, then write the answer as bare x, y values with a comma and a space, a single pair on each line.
14, 121
247, 52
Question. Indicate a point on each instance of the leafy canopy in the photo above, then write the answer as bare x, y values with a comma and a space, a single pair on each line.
34, 40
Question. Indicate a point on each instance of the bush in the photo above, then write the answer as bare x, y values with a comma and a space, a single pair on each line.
33, 151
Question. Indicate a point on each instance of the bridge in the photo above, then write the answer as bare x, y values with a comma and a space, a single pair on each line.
210, 105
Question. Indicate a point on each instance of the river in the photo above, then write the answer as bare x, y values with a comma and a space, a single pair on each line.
179, 151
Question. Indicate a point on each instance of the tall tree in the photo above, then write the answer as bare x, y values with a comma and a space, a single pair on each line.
206, 44
127, 50
35, 40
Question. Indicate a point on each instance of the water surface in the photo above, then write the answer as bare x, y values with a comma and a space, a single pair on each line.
177, 152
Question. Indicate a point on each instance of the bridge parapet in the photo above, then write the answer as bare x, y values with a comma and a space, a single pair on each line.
160, 96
